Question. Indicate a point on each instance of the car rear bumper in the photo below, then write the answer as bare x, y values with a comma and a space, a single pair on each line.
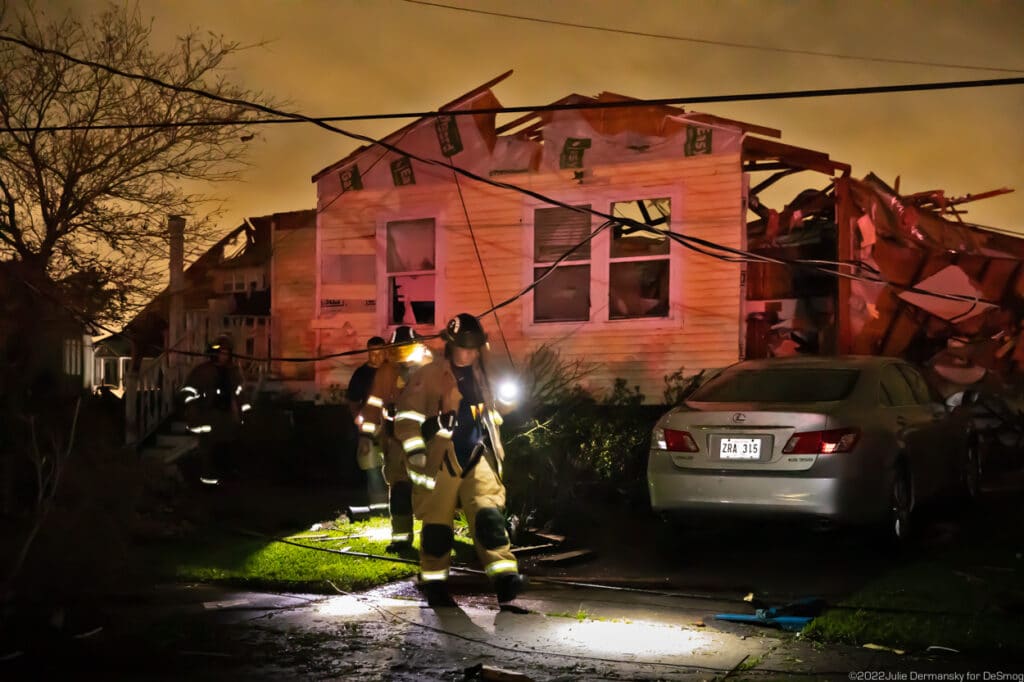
802, 493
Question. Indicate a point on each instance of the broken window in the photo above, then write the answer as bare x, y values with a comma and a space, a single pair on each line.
638, 267
563, 295
410, 271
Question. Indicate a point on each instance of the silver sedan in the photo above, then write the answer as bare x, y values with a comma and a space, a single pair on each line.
856, 439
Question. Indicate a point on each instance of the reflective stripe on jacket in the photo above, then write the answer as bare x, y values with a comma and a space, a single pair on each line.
433, 391
387, 383
199, 393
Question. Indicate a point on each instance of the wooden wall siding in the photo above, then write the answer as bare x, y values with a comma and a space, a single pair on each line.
293, 291
642, 352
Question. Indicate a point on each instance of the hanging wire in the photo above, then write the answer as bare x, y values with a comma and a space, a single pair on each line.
483, 271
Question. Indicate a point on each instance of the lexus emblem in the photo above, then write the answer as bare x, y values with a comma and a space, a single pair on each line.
739, 418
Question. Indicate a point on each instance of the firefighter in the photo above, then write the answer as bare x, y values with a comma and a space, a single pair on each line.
368, 458
213, 405
377, 433
449, 428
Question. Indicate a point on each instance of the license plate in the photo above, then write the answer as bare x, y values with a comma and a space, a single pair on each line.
740, 448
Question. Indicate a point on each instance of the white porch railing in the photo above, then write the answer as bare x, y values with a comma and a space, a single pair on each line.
151, 393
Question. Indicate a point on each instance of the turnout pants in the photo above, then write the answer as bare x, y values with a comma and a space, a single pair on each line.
399, 490
482, 498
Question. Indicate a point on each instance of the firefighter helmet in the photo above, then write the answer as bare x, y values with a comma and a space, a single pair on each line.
407, 345
222, 342
403, 334
464, 331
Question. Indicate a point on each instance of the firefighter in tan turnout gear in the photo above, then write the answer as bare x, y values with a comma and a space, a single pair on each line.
376, 425
448, 424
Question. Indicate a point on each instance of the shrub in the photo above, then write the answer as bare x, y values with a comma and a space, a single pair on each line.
569, 448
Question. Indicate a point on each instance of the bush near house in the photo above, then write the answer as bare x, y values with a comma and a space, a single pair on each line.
568, 451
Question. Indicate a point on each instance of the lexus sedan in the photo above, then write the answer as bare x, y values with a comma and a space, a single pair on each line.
854, 439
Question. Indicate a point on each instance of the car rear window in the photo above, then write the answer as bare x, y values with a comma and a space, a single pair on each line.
790, 385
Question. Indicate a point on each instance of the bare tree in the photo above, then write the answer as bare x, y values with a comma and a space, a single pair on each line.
48, 466
87, 203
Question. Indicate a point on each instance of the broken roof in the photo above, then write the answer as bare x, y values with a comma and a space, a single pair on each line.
611, 134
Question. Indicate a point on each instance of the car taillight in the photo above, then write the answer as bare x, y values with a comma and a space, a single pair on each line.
679, 441
821, 442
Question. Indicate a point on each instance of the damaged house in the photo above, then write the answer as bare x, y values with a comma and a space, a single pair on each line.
226, 290
846, 266
914, 280
401, 241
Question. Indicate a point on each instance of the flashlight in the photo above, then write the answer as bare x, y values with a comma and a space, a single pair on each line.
508, 391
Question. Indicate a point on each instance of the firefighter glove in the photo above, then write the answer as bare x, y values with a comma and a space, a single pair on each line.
442, 424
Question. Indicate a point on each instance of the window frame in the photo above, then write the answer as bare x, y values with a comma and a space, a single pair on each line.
568, 263
600, 259
383, 313
649, 258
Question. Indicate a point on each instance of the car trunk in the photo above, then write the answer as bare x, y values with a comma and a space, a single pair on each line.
733, 436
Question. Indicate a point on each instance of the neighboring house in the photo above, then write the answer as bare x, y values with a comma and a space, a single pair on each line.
44, 348
112, 357
228, 289
397, 239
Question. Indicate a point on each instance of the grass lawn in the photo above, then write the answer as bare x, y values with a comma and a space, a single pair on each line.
260, 563
967, 596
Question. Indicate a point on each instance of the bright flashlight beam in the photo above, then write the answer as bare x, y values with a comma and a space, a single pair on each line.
508, 391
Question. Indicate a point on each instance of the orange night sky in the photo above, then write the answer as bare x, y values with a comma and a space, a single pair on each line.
340, 57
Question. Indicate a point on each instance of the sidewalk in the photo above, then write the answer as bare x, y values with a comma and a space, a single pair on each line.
389, 634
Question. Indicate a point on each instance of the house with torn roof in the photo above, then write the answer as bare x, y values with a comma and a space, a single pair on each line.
403, 239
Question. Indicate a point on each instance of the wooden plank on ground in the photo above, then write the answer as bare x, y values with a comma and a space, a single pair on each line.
566, 557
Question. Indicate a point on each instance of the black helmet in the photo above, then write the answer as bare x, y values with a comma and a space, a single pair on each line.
375, 341
222, 342
464, 331
403, 334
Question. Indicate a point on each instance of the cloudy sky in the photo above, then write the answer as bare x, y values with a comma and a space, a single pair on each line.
342, 57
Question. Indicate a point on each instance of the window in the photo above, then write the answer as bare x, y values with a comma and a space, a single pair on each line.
73, 357
563, 295
410, 272
638, 262
235, 280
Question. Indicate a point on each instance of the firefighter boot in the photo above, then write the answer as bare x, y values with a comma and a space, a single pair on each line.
402, 548
436, 592
508, 586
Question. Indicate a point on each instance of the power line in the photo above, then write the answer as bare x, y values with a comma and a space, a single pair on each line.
697, 244
716, 43
323, 121
483, 271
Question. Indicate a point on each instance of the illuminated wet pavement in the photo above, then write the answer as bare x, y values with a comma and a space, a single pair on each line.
201, 632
